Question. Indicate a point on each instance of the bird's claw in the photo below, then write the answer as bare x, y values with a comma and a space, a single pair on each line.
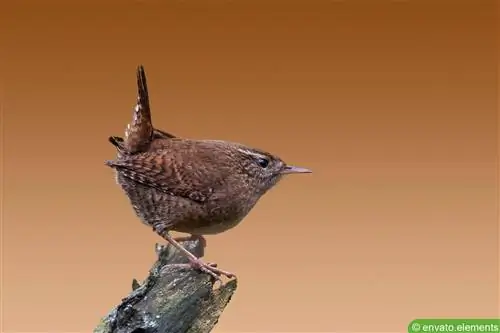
211, 269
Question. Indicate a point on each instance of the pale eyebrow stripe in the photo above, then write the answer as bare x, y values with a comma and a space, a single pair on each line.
251, 153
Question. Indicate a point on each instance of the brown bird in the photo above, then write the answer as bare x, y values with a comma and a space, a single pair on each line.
200, 187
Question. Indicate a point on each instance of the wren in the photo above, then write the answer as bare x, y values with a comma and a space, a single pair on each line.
199, 187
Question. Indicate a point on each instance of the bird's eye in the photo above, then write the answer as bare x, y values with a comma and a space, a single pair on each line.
263, 162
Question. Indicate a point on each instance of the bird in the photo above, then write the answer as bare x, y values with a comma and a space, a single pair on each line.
195, 186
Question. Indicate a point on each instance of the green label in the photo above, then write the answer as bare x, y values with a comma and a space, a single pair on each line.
454, 325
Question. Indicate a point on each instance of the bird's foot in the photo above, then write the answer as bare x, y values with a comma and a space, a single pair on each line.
211, 268
208, 268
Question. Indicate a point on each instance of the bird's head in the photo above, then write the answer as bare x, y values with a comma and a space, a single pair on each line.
262, 169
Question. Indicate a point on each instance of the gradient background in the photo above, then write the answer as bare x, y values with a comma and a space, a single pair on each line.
391, 103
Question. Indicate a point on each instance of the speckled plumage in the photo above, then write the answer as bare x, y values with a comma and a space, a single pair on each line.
194, 186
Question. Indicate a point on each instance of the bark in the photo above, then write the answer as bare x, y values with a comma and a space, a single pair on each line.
171, 299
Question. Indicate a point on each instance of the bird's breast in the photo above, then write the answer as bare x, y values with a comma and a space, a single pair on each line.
219, 216
219, 213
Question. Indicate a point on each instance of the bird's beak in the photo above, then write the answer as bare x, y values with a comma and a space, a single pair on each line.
293, 169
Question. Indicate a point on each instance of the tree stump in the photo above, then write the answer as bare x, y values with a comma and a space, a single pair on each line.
170, 299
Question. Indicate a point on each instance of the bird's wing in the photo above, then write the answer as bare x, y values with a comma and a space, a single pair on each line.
139, 132
163, 171
117, 142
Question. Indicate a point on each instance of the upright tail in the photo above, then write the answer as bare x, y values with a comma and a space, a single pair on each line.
139, 132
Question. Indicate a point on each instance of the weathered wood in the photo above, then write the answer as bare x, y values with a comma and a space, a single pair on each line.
171, 299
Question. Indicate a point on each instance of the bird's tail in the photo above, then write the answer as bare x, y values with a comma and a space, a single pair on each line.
139, 132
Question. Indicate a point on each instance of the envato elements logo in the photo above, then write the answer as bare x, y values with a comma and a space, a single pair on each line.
454, 325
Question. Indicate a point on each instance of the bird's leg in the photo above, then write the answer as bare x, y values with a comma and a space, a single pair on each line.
202, 239
195, 262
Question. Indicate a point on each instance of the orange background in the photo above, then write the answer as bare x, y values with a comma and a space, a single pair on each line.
391, 103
